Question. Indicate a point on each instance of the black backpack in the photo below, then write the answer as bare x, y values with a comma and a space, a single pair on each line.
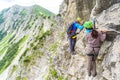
69, 28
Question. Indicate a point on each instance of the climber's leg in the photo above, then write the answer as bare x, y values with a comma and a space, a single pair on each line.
89, 65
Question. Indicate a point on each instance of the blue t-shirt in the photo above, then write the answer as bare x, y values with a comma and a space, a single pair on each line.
88, 31
81, 27
77, 26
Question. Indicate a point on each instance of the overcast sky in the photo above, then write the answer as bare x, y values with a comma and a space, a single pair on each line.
52, 5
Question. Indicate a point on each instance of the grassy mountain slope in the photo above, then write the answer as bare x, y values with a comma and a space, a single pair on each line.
41, 11
23, 26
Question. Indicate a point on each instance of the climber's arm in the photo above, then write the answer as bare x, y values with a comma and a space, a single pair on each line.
79, 27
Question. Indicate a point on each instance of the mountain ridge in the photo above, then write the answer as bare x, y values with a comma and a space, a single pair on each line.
20, 27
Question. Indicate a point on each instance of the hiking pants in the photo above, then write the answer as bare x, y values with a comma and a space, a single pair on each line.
72, 42
91, 65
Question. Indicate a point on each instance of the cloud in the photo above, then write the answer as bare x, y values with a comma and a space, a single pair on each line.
24, 2
5, 4
52, 5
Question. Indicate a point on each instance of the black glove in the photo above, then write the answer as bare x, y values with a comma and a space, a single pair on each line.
73, 34
77, 33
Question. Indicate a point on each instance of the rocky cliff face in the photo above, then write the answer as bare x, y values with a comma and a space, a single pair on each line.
70, 9
74, 8
109, 19
106, 14
102, 5
37, 48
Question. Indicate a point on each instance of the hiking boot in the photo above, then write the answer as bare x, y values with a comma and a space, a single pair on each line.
94, 75
91, 78
89, 74
73, 53
87, 77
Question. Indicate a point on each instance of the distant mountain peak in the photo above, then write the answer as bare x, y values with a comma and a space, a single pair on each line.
36, 9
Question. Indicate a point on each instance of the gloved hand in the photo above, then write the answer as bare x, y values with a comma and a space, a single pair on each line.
82, 22
73, 34
77, 33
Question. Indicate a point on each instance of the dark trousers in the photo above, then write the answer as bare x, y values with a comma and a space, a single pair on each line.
91, 65
72, 42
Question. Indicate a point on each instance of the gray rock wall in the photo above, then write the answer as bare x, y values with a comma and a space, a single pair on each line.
71, 9
102, 5
107, 13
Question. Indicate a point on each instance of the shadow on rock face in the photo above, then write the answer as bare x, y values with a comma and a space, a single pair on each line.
114, 31
115, 27
111, 35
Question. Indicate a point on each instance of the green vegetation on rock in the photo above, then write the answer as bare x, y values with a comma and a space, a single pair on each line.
2, 34
54, 75
21, 78
41, 11
14, 68
4, 44
23, 12
53, 47
11, 53
2, 19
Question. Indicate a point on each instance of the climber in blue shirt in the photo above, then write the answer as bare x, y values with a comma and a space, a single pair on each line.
78, 24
